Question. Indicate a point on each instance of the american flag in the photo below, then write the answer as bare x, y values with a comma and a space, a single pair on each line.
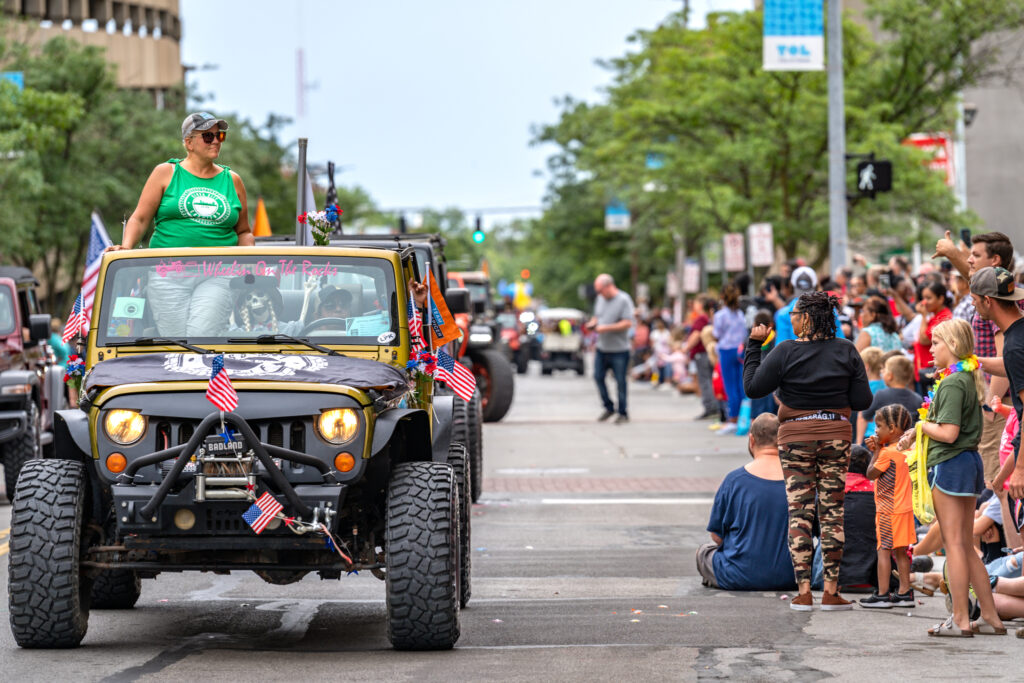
98, 241
456, 375
78, 322
415, 325
258, 516
220, 391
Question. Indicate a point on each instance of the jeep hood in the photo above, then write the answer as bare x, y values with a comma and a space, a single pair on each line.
358, 373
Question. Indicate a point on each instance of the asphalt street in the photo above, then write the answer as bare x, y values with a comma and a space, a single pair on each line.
582, 570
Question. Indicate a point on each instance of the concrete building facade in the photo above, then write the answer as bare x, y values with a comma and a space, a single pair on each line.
141, 37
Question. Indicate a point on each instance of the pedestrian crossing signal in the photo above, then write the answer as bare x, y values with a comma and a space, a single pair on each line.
874, 176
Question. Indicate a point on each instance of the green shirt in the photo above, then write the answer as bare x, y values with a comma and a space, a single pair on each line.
197, 212
956, 402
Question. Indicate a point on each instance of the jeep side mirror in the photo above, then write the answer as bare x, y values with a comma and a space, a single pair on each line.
457, 299
39, 327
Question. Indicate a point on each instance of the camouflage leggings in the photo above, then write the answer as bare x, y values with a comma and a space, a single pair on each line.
815, 467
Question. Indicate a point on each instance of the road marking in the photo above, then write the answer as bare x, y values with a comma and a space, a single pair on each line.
627, 501
4, 533
4, 547
548, 470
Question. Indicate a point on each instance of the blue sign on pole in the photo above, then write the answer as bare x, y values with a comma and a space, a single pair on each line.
794, 35
15, 77
616, 216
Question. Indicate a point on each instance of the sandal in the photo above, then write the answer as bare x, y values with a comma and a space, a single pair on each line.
983, 628
949, 629
917, 584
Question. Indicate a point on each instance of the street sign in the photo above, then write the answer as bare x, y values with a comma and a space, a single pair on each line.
713, 256
874, 176
616, 216
732, 243
15, 77
671, 285
691, 277
940, 146
794, 35
762, 244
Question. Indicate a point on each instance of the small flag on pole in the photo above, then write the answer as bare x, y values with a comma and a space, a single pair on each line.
456, 375
258, 515
415, 325
77, 322
220, 391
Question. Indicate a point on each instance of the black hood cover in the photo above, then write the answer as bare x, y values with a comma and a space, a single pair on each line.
358, 373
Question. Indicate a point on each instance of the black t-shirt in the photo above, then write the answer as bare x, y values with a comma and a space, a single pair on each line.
911, 400
808, 375
1013, 361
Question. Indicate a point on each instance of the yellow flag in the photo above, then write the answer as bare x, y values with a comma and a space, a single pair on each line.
261, 226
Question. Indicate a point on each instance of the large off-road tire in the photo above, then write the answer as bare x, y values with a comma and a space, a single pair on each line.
476, 447
116, 589
496, 382
460, 420
422, 538
522, 359
19, 451
48, 594
458, 458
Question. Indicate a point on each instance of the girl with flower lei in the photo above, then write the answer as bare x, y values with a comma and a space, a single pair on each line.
952, 422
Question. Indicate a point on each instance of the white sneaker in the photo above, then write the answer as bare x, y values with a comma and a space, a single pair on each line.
727, 428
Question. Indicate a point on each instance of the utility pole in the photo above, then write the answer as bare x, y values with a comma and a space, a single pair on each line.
837, 232
300, 202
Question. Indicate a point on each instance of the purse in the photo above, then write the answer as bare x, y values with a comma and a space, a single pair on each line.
917, 464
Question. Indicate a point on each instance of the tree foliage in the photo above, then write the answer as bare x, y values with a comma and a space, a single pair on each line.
734, 144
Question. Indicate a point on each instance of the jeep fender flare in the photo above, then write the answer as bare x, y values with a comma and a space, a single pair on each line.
444, 411
71, 435
413, 426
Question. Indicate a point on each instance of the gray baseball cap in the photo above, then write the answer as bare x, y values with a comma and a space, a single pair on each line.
200, 121
997, 283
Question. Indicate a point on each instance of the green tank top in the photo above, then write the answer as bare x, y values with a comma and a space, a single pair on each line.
197, 212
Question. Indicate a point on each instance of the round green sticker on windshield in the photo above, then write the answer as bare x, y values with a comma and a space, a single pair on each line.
204, 205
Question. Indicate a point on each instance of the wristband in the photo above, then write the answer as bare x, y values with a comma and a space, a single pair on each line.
769, 339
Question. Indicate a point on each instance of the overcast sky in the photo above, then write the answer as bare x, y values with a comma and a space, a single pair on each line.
425, 104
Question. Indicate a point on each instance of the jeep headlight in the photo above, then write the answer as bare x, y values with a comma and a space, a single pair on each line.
338, 426
124, 427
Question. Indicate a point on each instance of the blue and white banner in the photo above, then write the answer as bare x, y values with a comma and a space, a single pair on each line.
794, 35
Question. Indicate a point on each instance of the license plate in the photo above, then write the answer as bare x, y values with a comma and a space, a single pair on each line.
216, 445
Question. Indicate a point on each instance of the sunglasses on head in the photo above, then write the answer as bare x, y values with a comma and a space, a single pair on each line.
209, 136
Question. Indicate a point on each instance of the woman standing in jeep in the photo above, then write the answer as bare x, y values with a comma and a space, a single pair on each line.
194, 202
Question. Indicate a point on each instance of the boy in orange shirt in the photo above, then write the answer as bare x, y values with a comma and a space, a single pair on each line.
894, 508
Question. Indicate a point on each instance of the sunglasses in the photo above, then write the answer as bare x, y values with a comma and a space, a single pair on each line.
210, 136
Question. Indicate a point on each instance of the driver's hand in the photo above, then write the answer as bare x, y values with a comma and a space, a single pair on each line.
116, 247
419, 292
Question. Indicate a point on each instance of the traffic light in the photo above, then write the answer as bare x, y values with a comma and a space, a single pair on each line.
479, 235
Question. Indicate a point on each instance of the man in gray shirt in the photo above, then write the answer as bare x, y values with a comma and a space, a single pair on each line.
613, 316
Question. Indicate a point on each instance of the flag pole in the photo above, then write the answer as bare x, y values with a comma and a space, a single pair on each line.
430, 315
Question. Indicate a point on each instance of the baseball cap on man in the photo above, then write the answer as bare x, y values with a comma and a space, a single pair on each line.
200, 121
997, 283
804, 279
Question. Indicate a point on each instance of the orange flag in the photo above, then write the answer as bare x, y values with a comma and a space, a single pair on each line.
439, 319
261, 226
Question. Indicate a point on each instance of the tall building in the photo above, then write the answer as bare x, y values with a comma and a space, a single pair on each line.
142, 37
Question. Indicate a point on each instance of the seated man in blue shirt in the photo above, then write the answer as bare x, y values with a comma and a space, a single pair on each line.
749, 521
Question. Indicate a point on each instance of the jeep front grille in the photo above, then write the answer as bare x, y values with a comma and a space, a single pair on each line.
224, 520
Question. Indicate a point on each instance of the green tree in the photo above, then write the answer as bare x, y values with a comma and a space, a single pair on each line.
737, 144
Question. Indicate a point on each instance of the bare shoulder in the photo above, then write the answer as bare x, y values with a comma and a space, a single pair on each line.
163, 171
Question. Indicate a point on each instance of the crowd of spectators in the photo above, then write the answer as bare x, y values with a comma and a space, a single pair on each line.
899, 320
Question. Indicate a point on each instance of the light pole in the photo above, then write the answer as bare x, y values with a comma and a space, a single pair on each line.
837, 232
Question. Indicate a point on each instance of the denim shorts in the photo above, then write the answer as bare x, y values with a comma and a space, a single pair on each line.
1006, 567
962, 475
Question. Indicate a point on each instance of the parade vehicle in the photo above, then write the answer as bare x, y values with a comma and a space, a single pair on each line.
482, 345
30, 382
562, 345
337, 458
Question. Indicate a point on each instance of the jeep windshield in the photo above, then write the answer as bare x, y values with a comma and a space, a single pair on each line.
6, 311
213, 300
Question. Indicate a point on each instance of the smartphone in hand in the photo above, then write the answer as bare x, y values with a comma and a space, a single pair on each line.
885, 282
965, 236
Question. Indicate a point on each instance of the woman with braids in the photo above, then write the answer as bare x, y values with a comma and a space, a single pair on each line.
956, 474
894, 506
818, 380
879, 328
